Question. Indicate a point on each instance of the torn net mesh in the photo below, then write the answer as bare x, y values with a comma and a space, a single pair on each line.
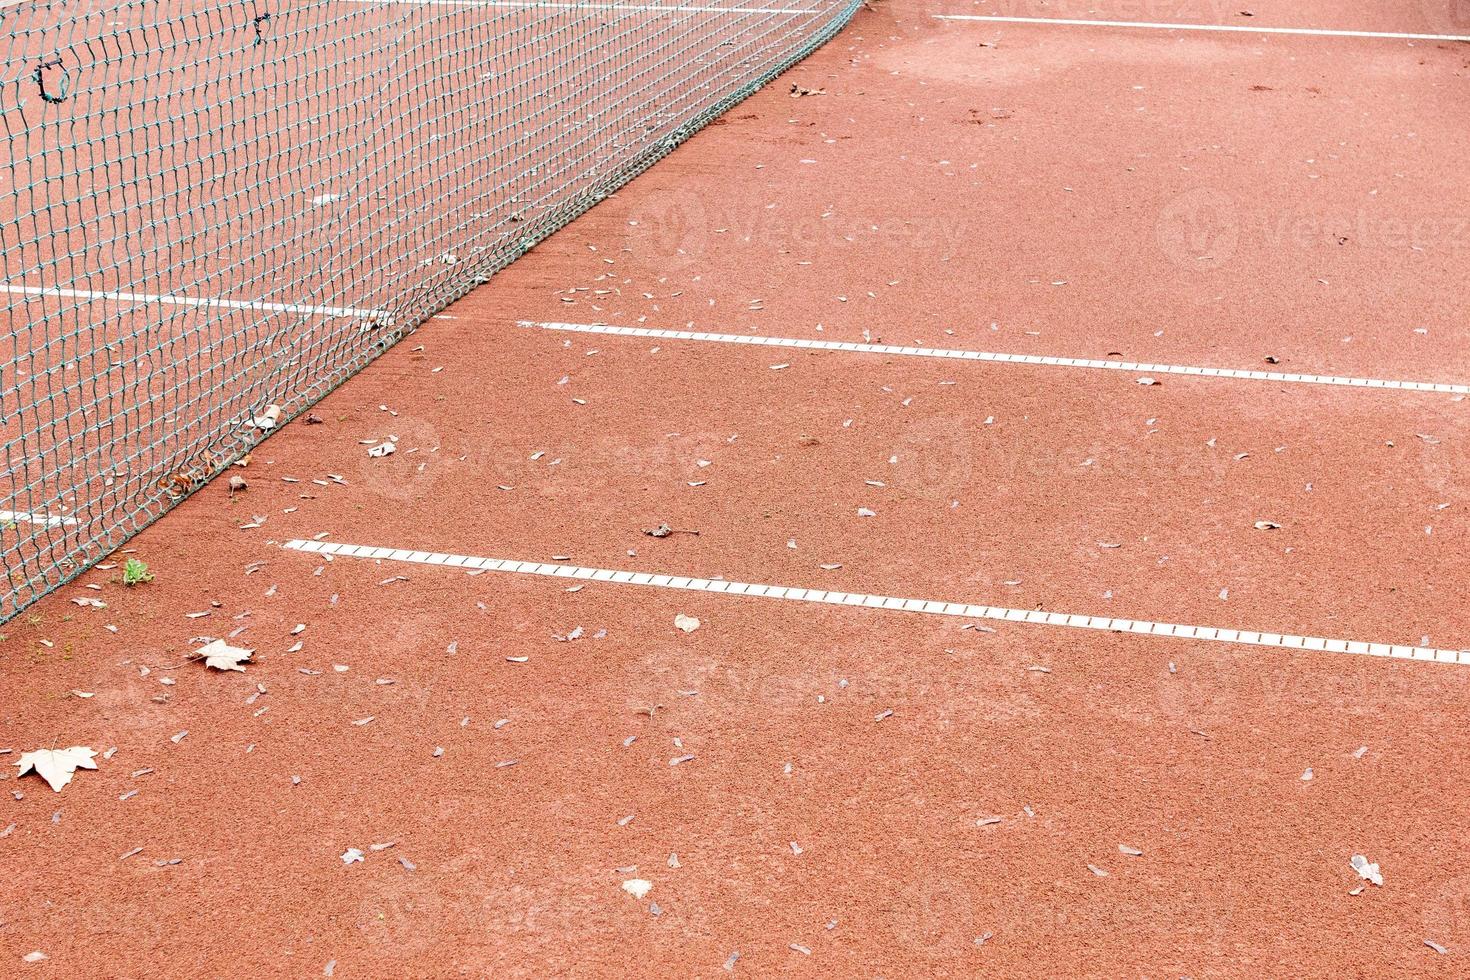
210, 208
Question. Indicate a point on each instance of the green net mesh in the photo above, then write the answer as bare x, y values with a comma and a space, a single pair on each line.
210, 208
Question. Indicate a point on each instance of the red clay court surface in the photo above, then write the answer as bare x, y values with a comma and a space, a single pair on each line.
1169, 198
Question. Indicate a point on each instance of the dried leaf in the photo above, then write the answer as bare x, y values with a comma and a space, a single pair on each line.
638, 887
221, 656
685, 624
1367, 870
56, 765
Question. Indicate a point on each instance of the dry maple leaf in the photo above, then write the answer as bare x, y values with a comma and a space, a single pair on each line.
221, 656
269, 418
56, 765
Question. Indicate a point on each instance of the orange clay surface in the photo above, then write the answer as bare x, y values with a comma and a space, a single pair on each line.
1192, 199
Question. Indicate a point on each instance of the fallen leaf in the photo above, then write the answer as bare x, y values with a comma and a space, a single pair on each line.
663, 530
685, 624
267, 419
1367, 870
221, 656
637, 887
1266, 525
56, 765
352, 856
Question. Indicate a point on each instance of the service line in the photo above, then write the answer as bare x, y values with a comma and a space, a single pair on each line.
26, 517
378, 316
929, 606
1223, 28
651, 8
1133, 367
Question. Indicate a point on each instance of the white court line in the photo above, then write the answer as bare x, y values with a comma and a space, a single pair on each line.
1225, 28
930, 606
980, 355
25, 517
592, 7
380, 316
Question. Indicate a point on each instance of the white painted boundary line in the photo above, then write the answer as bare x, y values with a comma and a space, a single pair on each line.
25, 517
1224, 28
980, 355
233, 304
932, 607
596, 7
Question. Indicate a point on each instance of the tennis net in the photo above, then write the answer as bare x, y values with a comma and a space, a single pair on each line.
212, 213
